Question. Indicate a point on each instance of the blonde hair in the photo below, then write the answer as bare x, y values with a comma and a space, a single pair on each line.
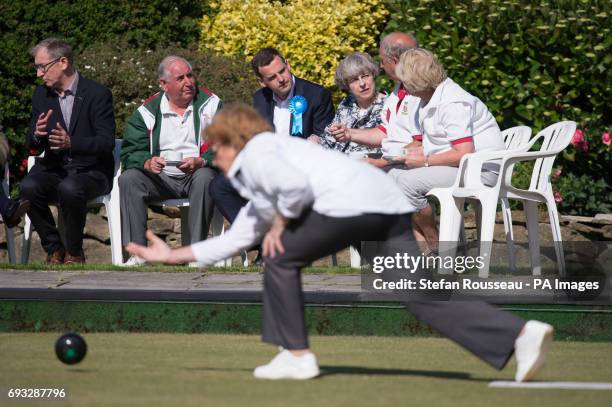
234, 125
419, 70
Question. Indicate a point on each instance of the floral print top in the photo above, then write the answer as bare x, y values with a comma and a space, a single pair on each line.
350, 114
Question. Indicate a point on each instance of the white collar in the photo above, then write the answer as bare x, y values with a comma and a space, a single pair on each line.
164, 106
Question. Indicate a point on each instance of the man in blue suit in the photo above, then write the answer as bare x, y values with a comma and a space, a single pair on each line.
278, 88
73, 122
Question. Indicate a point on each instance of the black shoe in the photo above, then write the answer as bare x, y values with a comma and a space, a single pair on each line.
258, 262
15, 212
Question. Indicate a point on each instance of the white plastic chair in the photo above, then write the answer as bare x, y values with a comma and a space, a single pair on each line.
110, 201
355, 258
451, 219
217, 226
10, 236
555, 139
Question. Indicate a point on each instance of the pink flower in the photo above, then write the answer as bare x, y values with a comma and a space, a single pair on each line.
605, 138
556, 173
558, 197
578, 137
580, 142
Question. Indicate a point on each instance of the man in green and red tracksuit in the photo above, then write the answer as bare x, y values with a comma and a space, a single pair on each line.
164, 156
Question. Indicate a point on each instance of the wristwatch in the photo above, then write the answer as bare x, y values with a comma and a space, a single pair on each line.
426, 161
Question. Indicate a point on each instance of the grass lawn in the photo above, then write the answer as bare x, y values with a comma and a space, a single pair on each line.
215, 370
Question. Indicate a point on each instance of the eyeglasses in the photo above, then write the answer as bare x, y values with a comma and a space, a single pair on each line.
45, 67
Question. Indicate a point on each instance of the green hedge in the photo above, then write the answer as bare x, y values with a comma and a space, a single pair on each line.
532, 63
131, 74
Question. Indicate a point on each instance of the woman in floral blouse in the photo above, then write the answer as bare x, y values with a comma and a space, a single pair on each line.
361, 109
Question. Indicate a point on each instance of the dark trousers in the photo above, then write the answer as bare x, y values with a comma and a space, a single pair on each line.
486, 331
226, 198
71, 189
5, 201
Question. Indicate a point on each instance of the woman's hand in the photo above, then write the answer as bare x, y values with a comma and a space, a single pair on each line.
272, 243
313, 138
157, 252
340, 132
415, 160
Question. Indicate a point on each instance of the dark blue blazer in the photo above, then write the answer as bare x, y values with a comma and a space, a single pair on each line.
318, 115
92, 128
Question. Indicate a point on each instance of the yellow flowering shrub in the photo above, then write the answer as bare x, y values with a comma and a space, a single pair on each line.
314, 35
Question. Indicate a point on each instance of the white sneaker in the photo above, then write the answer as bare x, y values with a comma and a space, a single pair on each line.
287, 366
531, 348
134, 261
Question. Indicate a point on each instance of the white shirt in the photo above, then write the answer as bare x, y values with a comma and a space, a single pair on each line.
452, 116
288, 175
282, 115
399, 120
177, 133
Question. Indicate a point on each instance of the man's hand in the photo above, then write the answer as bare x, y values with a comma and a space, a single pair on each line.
191, 164
59, 139
272, 243
154, 164
340, 132
41, 124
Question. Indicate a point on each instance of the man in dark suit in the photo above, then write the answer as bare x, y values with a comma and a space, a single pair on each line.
278, 88
73, 122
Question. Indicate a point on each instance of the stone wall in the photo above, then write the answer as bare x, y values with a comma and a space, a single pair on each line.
167, 225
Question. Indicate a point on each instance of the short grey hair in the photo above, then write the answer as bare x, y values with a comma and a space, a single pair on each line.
56, 48
420, 70
394, 48
353, 65
164, 65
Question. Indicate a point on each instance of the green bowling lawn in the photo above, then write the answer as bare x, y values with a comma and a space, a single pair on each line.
215, 370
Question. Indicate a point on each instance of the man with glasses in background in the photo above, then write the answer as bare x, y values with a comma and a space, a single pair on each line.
73, 123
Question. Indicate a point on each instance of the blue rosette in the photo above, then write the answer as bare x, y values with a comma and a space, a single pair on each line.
297, 106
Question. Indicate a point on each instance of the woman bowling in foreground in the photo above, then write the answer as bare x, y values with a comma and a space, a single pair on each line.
306, 203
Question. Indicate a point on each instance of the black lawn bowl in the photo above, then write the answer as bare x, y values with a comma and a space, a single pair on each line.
70, 348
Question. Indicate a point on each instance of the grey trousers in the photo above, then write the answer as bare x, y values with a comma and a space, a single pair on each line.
487, 332
138, 188
417, 182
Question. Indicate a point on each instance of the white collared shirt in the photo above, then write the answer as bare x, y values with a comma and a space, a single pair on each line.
399, 120
282, 115
286, 175
177, 134
452, 116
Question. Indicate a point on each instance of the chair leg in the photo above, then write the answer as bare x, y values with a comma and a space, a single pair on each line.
185, 234
487, 228
533, 231
217, 223
218, 228
553, 217
507, 215
355, 258
26, 240
10, 244
478, 217
451, 220
113, 214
